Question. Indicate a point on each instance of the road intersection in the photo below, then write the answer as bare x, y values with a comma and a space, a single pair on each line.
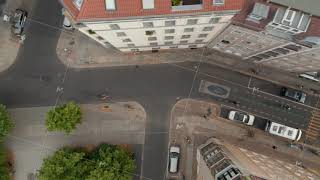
37, 74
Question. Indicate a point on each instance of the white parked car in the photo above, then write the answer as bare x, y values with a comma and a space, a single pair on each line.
174, 155
283, 131
241, 117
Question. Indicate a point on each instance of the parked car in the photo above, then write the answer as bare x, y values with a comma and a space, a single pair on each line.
18, 21
174, 155
293, 94
241, 117
283, 131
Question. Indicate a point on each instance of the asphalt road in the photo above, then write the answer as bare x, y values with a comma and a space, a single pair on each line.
34, 78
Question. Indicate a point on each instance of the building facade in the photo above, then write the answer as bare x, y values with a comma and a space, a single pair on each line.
276, 33
145, 25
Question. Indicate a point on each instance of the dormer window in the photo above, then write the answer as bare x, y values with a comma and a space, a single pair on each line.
259, 11
288, 17
110, 4
290, 21
78, 3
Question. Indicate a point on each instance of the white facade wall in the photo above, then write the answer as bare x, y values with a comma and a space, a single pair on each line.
140, 41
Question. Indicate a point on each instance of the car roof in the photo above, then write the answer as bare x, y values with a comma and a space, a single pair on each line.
173, 164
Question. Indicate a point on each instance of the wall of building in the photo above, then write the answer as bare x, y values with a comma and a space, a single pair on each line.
131, 35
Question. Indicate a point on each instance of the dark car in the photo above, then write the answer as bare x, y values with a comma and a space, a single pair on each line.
18, 21
293, 94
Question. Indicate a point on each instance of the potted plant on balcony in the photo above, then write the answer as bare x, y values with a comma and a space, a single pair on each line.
176, 2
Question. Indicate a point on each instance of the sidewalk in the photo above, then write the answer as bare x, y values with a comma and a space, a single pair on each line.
187, 120
120, 123
79, 51
10, 44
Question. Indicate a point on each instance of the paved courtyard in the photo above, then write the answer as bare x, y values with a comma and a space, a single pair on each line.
121, 123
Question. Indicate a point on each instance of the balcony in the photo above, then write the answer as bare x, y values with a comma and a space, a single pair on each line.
186, 5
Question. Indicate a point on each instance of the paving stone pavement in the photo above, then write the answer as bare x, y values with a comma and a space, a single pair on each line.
120, 123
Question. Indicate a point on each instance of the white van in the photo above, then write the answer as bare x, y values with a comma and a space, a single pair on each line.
174, 154
283, 131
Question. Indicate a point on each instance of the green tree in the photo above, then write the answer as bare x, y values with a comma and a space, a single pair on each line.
107, 162
66, 164
4, 171
63, 118
5, 122
112, 163
175, 2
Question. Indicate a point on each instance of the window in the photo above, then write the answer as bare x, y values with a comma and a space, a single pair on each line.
168, 42
170, 23
193, 46
152, 38
209, 28
131, 45
78, 3
289, 16
149, 33
147, 24
173, 47
184, 42
100, 38
192, 21
153, 44
148, 4
110, 4
134, 50
114, 26
168, 37
199, 41
126, 40
169, 31
214, 20
202, 35
218, 2
185, 36
91, 31
290, 132
188, 29
121, 34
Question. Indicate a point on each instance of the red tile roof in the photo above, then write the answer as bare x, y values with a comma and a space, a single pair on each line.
95, 9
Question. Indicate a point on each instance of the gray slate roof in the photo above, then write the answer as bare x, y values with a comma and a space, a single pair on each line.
309, 6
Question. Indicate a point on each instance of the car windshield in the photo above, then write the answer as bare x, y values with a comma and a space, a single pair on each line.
239, 116
174, 154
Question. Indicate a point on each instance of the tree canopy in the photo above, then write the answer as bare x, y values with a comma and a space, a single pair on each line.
5, 122
4, 171
106, 162
64, 118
